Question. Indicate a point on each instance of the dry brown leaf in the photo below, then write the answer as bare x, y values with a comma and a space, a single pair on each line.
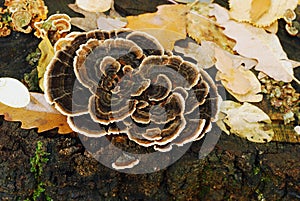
204, 54
47, 53
37, 114
233, 71
247, 121
253, 42
97, 20
260, 12
168, 24
201, 27
239, 82
108, 23
89, 22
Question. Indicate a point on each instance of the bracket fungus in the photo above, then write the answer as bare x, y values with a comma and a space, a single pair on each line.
21, 21
25, 13
123, 82
57, 24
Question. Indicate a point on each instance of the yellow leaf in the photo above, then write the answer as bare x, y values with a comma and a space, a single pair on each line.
233, 72
273, 28
258, 8
247, 121
47, 53
239, 82
201, 27
256, 43
37, 114
260, 13
168, 24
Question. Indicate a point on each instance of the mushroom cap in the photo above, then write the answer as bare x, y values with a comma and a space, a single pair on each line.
37, 8
62, 25
13, 93
21, 21
97, 53
123, 82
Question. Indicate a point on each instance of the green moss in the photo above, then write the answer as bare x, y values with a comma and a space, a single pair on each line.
37, 163
31, 79
33, 57
5, 17
256, 170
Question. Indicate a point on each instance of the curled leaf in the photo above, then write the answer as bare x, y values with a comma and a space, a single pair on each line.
37, 114
204, 54
247, 121
260, 12
47, 52
13, 92
239, 82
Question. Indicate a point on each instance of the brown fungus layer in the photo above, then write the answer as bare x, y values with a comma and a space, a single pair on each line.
123, 82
